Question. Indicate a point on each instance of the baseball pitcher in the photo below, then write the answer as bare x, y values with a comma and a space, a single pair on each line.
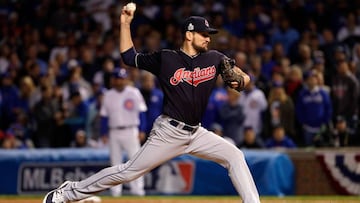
186, 77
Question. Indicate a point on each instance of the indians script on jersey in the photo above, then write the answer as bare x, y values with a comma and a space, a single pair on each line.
193, 77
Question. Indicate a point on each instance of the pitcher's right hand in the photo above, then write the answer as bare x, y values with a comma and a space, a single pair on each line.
126, 16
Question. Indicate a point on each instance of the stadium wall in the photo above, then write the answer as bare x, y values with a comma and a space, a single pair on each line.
276, 173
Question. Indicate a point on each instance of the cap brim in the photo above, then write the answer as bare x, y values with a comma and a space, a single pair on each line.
211, 31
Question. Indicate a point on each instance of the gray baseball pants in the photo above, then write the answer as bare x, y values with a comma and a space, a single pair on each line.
166, 142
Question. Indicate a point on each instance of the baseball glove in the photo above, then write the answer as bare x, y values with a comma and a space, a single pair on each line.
229, 75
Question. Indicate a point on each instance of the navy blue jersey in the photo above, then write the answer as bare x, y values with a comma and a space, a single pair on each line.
186, 81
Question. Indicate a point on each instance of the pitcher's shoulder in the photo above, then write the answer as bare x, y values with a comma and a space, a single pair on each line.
214, 53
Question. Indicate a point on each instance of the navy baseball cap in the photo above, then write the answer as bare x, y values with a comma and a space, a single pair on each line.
120, 73
197, 24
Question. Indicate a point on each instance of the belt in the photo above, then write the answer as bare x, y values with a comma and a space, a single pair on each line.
184, 127
123, 127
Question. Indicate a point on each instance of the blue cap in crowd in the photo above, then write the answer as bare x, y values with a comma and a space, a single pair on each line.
120, 73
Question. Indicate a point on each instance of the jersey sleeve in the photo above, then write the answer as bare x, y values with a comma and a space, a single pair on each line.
150, 62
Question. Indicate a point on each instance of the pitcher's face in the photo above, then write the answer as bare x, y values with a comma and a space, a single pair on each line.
201, 41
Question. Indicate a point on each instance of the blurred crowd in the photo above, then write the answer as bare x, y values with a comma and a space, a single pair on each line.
303, 56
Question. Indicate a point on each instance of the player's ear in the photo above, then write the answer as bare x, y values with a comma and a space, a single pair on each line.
189, 35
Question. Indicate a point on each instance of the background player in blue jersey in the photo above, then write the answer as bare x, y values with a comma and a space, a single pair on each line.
186, 77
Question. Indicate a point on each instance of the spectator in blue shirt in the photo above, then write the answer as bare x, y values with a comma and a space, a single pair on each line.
313, 108
285, 34
268, 64
10, 100
21, 132
93, 122
233, 116
77, 111
279, 139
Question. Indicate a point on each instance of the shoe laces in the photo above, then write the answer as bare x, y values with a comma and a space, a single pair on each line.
58, 196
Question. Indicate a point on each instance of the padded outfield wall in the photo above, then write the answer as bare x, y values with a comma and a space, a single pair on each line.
276, 173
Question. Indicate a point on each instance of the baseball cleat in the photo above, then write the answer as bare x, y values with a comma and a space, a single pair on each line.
56, 196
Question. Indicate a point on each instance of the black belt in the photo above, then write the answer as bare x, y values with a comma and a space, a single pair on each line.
185, 127
123, 127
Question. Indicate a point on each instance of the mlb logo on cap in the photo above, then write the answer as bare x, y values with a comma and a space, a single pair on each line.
120, 73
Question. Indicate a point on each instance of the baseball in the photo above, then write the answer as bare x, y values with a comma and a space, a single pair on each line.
131, 7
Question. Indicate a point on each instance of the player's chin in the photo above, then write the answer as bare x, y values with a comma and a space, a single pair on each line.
204, 48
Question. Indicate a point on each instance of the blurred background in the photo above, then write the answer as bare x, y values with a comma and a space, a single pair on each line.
299, 115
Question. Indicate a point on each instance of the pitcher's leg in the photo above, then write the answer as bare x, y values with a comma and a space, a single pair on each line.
158, 149
116, 157
132, 146
209, 146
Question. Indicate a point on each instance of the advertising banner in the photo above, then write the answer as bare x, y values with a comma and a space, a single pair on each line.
38, 171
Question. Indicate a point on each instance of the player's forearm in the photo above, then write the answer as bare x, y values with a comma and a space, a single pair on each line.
125, 37
241, 73
127, 50
238, 79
